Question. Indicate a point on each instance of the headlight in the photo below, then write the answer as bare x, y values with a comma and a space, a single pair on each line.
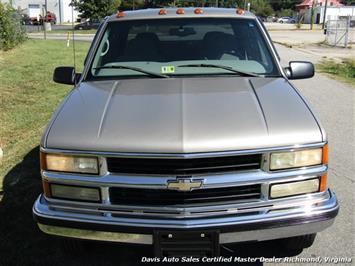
294, 188
68, 163
309, 157
74, 193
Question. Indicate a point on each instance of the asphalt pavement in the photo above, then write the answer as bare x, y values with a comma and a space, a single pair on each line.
334, 104
61, 36
39, 28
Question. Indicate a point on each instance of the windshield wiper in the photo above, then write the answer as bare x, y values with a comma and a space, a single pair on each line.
151, 74
242, 73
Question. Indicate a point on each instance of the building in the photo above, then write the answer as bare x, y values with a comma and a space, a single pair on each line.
307, 4
34, 8
332, 13
334, 10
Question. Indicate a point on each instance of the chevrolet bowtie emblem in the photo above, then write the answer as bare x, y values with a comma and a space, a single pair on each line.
184, 184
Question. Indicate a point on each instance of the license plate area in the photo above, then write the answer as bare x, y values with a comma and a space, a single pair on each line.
186, 243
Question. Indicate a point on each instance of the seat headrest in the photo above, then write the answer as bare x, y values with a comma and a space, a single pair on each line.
146, 36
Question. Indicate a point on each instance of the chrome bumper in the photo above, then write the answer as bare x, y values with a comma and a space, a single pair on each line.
264, 225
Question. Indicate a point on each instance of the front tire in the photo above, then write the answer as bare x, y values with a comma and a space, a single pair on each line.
299, 242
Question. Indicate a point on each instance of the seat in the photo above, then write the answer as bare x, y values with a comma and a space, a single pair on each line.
219, 45
144, 47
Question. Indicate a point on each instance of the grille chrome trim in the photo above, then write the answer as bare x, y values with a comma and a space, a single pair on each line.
160, 182
157, 197
164, 212
182, 155
186, 166
106, 180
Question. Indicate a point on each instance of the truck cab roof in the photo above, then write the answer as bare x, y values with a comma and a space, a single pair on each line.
189, 12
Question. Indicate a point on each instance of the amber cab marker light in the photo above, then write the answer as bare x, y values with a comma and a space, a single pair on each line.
120, 14
325, 157
180, 11
323, 183
163, 12
198, 11
240, 11
46, 188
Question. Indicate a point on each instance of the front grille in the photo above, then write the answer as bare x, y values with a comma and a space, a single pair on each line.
184, 166
155, 197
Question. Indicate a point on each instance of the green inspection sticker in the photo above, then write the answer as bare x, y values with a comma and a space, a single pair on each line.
167, 69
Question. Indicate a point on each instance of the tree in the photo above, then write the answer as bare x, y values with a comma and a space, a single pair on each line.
348, 2
96, 9
132, 4
227, 3
279, 5
261, 8
12, 32
159, 3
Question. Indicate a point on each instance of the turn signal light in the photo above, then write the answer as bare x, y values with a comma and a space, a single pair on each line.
46, 188
180, 11
323, 183
325, 154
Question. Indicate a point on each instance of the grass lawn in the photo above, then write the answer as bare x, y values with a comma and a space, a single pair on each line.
27, 99
28, 96
344, 71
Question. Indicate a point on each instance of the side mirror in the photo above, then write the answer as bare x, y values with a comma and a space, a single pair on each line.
299, 70
65, 75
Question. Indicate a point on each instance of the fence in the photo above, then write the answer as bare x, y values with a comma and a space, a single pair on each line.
340, 32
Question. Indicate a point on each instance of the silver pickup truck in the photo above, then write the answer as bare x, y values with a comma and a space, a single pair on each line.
184, 132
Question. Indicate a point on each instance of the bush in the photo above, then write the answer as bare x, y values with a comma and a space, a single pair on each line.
285, 13
261, 8
12, 32
344, 69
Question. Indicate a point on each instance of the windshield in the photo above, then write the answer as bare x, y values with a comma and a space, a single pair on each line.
174, 47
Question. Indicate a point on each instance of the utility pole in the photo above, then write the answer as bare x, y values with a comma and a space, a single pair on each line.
325, 14
60, 11
44, 20
216, 3
312, 15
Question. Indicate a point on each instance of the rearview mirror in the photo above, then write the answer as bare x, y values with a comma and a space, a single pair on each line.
182, 31
65, 75
299, 70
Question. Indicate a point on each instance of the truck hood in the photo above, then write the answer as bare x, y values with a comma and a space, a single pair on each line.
182, 115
